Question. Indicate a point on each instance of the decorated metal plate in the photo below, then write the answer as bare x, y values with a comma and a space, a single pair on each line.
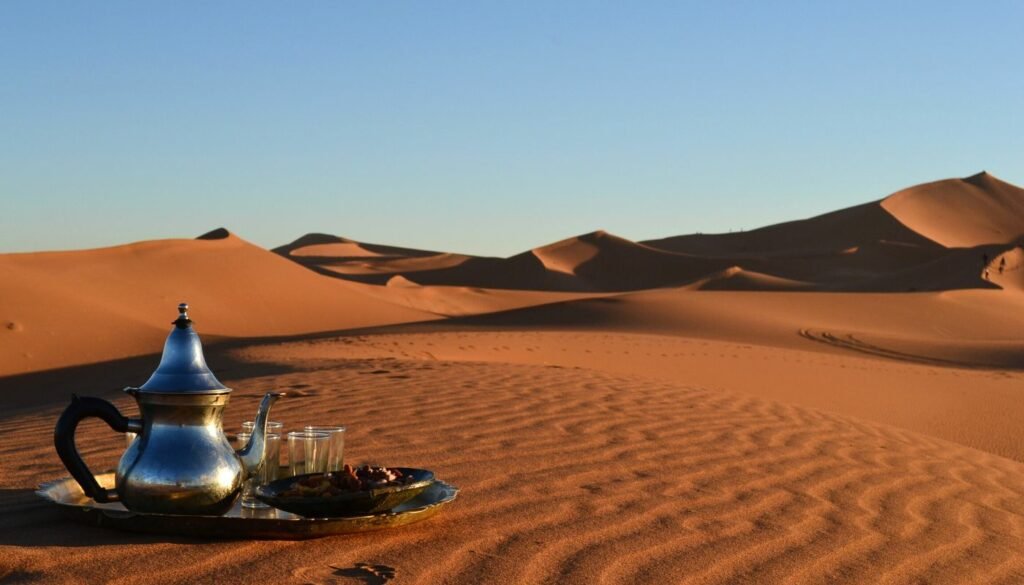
239, 522
344, 502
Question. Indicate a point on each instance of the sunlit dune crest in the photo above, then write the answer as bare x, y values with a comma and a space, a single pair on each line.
93, 305
962, 213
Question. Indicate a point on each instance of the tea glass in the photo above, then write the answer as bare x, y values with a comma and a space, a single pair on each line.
267, 473
307, 452
272, 427
336, 450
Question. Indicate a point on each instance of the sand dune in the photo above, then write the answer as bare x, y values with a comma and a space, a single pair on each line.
1005, 269
967, 212
868, 248
912, 240
973, 406
898, 244
825, 234
593, 262
362, 262
379, 270
600, 479
735, 278
605, 262
959, 268
67, 308
831, 400
328, 246
962, 213
460, 301
956, 321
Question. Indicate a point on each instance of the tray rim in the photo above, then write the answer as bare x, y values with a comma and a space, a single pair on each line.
294, 527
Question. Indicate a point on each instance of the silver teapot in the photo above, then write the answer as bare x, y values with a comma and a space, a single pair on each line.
181, 462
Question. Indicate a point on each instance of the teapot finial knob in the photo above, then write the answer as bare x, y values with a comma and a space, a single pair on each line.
182, 321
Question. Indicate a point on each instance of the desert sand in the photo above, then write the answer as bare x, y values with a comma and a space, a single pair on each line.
829, 400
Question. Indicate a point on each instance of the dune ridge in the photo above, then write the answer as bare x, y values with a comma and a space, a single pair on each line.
962, 213
67, 308
930, 237
895, 245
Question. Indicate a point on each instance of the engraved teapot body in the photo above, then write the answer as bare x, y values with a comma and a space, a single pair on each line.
181, 461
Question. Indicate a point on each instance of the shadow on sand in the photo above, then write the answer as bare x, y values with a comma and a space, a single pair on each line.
29, 392
50, 388
28, 520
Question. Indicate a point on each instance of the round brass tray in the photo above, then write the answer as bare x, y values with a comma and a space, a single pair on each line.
239, 522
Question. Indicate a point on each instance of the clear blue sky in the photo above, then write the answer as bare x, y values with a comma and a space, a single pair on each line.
487, 128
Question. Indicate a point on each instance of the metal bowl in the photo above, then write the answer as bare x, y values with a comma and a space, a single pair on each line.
351, 503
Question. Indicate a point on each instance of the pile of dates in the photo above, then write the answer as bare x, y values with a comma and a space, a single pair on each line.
349, 479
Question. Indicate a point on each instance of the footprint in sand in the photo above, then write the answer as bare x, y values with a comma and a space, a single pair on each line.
359, 573
367, 573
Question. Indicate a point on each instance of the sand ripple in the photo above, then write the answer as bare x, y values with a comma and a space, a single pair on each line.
574, 476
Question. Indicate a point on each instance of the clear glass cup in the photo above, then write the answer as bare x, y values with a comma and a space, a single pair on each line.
307, 452
336, 451
272, 427
267, 473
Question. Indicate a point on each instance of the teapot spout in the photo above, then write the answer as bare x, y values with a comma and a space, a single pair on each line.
252, 454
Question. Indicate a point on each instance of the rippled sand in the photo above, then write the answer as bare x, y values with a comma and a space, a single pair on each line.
568, 475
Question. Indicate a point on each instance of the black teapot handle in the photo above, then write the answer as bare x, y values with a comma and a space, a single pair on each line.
64, 440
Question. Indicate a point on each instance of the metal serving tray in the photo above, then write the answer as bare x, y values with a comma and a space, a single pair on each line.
239, 522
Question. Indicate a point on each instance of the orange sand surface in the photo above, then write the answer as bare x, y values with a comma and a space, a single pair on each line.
831, 400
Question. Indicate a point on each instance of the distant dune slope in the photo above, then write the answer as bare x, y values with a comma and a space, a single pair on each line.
1007, 269
735, 278
594, 262
964, 327
459, 301
603, 261
328, 246
830, 233
937, 236
361, 262
66, 308
961, 213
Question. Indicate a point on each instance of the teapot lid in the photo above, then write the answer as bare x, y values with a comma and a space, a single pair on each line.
183, 368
